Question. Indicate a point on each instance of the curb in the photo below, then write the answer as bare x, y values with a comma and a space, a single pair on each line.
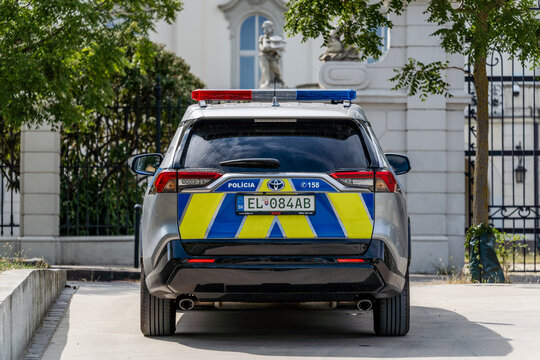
25, 299
99, 273
43, 336
514, 278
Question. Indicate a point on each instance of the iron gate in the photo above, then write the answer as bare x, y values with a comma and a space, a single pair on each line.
97, 190
513, 156
9, 180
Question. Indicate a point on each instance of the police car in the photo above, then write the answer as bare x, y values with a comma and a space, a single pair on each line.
284, 196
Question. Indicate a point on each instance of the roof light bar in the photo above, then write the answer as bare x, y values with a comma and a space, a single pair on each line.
199, 95
268, 95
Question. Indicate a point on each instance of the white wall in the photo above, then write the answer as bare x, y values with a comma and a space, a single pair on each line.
201, 36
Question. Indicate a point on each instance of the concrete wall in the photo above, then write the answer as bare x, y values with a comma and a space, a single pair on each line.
25, 298
75, 250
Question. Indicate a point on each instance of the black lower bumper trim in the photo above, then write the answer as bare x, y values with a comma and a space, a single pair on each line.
223, 284
273, 281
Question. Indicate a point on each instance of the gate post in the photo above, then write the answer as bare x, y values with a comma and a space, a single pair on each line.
40, 193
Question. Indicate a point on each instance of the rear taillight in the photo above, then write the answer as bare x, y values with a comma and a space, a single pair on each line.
349, 261
354, 178
201, 261
385, 182
380, 181
172, 181
165, 182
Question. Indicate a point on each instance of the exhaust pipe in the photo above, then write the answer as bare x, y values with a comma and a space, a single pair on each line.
364, 305
186, 304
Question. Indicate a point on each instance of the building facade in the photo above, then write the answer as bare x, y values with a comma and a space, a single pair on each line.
218, 39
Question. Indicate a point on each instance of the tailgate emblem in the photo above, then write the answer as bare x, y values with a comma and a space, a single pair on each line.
276, 184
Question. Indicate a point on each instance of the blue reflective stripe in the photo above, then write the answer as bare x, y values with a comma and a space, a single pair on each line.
312, 185
369, 200
324, 221
183, 200
226, 223
240, 185
276, 232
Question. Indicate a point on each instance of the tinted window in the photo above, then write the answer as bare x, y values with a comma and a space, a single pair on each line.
301, 146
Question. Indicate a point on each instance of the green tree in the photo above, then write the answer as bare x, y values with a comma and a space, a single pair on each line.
471, 28
58, 58
97, 190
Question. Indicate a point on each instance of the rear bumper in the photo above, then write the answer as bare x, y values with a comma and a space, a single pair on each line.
277, 278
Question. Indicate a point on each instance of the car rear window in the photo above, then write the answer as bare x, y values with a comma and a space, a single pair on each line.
299, 145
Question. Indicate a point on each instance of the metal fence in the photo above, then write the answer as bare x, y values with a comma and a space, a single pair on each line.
513, 156
98, 192
9, 179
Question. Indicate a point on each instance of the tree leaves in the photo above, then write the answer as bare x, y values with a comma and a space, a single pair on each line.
468, 27
358, 21
97, 190
422, 79
58, 58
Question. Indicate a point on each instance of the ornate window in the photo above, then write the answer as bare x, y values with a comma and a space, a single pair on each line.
245, 20
249, 72
384, 33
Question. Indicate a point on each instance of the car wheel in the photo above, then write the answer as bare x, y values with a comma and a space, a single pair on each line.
158, 316
391, 317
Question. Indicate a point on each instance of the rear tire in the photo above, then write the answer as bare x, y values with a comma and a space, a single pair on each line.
158, 316
391, 317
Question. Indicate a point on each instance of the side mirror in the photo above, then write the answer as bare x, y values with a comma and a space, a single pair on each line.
145, 164
400, 163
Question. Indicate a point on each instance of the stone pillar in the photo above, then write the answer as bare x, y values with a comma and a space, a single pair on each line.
40, 193
431, 133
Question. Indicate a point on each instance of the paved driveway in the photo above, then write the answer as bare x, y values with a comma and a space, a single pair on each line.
448, 321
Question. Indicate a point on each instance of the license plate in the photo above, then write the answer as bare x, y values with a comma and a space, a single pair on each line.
275, 204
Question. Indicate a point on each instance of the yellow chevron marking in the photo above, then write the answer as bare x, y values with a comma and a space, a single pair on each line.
295, 226
353, 214
256, 226
200, 211
286, 188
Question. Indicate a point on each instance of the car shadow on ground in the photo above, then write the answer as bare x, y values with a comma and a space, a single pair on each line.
434, 332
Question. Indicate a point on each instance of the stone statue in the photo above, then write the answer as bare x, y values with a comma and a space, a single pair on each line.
336, 51
270, 49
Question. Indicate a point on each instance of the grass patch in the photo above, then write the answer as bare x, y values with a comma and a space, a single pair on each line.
11, 264
10, 260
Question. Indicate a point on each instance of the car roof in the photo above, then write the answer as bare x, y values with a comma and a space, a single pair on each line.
252, 110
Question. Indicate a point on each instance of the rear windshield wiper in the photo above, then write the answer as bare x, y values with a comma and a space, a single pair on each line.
263, 163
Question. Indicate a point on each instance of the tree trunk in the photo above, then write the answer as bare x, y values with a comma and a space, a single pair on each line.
480, 192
